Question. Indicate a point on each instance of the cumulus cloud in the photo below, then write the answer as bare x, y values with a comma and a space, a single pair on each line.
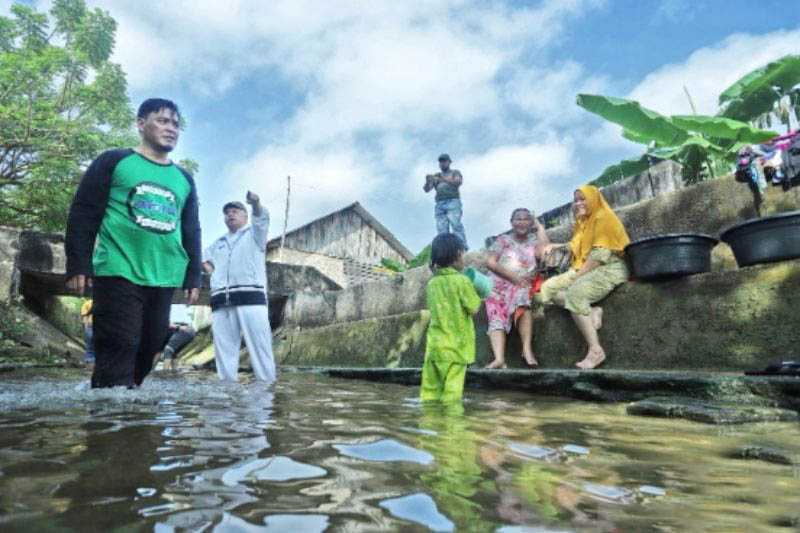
331, 177
709, 71
505, 177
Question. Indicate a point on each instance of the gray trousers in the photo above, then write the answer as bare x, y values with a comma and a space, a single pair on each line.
229, 324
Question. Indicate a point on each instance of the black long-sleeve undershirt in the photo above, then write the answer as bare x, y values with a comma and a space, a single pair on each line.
88, 209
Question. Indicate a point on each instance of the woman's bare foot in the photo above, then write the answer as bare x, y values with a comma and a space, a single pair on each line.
496, 364
593, 359
530, 359
597, 317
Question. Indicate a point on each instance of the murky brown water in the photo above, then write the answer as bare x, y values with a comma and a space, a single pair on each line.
321, 454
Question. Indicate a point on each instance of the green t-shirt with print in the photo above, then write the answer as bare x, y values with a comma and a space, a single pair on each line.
140, 234
452, 300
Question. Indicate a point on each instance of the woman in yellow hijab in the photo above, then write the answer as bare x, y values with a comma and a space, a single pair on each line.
597, 268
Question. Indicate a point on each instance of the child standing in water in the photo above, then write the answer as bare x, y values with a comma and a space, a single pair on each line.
452, 300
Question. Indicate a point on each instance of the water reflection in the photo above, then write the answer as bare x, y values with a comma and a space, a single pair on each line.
190, 454
385, 450
419, 508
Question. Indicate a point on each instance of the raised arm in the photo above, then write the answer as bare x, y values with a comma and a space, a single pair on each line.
260, 220
430, 183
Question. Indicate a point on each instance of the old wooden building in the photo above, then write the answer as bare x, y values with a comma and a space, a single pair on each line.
346, 245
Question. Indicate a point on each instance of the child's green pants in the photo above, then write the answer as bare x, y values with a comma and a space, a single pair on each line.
442, 381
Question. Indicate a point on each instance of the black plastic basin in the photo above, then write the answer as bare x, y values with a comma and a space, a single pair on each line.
670, 256
765, 240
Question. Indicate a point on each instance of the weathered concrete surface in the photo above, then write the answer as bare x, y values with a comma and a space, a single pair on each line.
734, 320
383, 342
659, 179
61, 312
766, 454
612, 385
709, 413
31, 251
26, 338
402, 293
708, 207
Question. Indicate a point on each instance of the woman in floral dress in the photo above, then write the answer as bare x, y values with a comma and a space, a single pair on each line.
512, 262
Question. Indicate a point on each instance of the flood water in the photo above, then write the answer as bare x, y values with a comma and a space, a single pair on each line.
314, 453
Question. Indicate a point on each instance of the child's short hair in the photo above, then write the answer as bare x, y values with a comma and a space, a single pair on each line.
445, 249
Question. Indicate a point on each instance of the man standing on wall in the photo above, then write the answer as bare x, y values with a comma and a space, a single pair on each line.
141, 208
238, 268
448, 209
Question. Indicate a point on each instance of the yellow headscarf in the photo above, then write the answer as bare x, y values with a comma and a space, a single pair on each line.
599, 228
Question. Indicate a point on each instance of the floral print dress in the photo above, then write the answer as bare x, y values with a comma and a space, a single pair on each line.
520, 258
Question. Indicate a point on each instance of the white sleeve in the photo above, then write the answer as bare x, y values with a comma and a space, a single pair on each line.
261, 228
207, 254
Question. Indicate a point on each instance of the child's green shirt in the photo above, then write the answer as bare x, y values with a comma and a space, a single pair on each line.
452, 301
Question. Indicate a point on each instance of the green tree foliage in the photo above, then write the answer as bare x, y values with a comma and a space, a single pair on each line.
62, 102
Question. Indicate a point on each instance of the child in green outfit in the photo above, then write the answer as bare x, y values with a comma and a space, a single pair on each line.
452, 300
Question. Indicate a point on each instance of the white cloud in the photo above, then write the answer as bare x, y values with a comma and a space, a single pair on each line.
548, 93
503, 178
709, 71
322, 181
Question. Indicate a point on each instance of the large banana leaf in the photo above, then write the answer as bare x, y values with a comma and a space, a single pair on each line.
642, 122
723, 128
422, 258
635, 137
783, 73
756, 92
691, 144
623, 169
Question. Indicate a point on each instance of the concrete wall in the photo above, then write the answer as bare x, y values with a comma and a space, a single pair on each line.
659, 179
708, 207
734, 321
728, 319
331, 267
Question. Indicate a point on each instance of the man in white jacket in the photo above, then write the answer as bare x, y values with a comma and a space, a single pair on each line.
238, 269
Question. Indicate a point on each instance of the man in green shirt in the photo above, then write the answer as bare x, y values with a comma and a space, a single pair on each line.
133, 235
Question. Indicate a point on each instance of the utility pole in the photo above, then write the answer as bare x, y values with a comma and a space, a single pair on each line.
691, 102
285, 216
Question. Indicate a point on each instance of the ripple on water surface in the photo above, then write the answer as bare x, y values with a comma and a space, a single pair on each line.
185, 453
385, 450
419, 508
273, 469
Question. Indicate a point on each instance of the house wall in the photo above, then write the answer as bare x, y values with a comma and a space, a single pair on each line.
345, 235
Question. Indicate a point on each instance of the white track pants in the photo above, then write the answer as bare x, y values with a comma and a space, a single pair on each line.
229, 324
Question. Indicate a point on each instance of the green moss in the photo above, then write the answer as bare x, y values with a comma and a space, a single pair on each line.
383, 342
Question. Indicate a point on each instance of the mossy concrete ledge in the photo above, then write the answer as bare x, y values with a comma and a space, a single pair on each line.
721, 321
392, 341
706, 397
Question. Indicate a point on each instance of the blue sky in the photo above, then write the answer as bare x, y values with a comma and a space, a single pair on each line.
356, 99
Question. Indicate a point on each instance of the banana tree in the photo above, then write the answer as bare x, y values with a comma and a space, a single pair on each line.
422, 258
703, 145
770, 91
